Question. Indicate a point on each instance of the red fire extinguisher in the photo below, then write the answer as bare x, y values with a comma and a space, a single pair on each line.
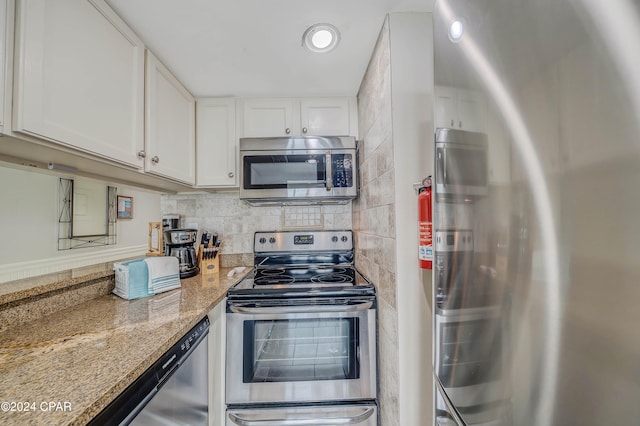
425, 225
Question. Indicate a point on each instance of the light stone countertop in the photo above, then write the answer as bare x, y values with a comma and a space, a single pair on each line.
85, 356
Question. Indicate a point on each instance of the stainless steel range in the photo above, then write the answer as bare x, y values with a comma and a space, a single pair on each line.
301, 334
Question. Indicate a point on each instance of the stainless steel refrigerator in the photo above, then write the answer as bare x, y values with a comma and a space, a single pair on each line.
536, 224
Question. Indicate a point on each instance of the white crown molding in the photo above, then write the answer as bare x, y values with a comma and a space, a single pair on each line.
20, 270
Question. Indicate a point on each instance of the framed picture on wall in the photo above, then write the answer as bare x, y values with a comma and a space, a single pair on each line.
125, 207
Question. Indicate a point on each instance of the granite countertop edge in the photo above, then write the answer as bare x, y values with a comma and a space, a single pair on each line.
154, 323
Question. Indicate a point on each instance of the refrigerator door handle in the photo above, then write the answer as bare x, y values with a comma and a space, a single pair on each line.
366, 413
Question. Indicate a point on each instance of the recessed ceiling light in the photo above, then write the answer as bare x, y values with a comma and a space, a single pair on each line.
320, 38
456, 30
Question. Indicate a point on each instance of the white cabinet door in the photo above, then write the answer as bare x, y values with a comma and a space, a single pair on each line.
471, 111
270, 117
298, 117
460, 109
216, 142
325, 116
170, 125
446, 107
80, 78
7, 14
3, 57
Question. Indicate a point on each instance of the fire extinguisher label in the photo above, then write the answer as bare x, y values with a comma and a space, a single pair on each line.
426, 246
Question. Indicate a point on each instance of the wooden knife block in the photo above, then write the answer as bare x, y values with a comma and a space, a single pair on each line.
209, 266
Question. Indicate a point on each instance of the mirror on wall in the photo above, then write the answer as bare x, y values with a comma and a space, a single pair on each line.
87, 214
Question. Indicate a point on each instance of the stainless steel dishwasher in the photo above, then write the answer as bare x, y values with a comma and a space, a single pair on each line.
173, 391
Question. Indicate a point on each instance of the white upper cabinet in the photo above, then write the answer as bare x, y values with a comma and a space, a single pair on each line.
170, 125
460, 109
325, 116
266, 117
6, 36
216, 142
79, 78
269, 117
3, 54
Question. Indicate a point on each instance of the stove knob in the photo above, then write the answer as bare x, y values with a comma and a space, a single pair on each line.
334, 239
344, 239
262, 240
272, 240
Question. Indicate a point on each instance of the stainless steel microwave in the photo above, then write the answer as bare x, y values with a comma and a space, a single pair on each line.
298, 170
461, 163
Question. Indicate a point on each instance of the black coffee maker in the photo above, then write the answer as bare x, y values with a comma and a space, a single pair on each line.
180, 243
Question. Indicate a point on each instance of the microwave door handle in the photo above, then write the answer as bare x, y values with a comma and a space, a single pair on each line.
328, 171
364, 415
300, 309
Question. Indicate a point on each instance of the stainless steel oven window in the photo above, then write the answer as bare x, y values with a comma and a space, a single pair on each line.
471, 352
361, 320
299, 350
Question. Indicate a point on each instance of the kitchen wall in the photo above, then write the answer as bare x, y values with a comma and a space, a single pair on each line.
29, 217
374, 217
395, 106
236, 221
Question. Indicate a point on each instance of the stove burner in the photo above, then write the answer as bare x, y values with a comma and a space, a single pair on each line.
271, 272
267, 279
331, 278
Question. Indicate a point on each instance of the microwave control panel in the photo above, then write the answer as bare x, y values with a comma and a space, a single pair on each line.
342, 170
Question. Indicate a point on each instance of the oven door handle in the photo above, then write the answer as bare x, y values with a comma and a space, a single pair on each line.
300, 309
366, 413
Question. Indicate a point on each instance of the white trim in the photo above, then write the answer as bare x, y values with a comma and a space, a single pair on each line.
20, 270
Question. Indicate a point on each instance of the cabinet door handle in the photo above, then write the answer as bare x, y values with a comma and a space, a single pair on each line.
155, 159
287, 130
230, 174
304, 130
460, 124
451, 123
141, 154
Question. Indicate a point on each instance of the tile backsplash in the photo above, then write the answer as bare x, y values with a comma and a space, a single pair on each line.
236, 221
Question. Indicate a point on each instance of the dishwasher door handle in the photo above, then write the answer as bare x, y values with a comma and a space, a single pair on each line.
366, 413
300, 309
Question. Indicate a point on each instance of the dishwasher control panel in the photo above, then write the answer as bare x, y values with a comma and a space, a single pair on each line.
172, 358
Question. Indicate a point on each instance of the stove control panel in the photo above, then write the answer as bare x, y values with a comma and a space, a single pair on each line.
287, 241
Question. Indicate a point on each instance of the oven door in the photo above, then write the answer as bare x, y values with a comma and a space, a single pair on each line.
298, 174
301, 354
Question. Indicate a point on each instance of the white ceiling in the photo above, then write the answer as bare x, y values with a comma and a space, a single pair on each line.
254, 47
